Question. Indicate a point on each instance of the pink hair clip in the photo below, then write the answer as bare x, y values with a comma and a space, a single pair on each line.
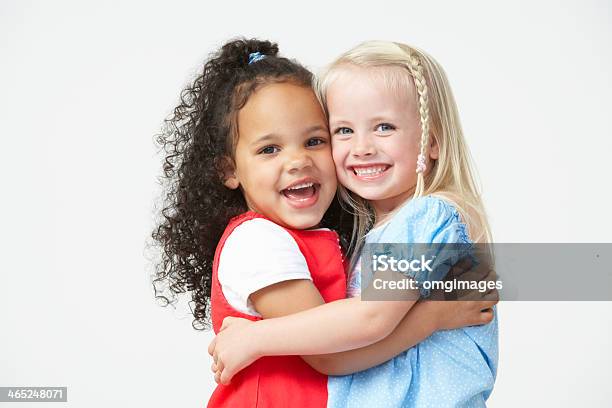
421, 167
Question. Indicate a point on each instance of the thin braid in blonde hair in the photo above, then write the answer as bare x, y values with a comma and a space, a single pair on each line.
416, 71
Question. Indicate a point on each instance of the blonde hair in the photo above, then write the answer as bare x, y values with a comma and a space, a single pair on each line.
452, 175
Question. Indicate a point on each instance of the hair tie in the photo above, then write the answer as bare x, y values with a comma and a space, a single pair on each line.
421, 167
255, 56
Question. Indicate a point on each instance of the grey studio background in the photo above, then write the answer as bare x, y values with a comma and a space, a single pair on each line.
84, 86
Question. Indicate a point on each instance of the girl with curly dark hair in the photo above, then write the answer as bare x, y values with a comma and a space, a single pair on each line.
199, 140
250, 187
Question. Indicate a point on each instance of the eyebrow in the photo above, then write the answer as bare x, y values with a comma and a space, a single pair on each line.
264, 138
375, 119
383, 118
315, 128
272, 136
339, 122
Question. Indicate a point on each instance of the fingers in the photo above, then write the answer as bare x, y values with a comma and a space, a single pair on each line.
477, 305
475, 312
481, 305
218, 368
211, 346
486, 316
225, 377
488, 304
478, 295
493, 294
491, 276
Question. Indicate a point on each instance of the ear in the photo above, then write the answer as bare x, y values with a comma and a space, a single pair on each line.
231, 182
228, 173
434, 149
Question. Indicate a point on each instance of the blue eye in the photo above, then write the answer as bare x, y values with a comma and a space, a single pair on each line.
269, 150
343, 131
385, 127
315, 141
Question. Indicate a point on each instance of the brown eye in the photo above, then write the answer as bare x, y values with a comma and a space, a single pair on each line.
314, 142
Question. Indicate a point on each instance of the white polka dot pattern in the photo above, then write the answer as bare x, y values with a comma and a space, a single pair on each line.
452, 368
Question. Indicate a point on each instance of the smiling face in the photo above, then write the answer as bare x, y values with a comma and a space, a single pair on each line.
283, 157
376, 133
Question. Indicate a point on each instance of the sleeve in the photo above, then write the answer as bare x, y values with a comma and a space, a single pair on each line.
434, 231
257, 254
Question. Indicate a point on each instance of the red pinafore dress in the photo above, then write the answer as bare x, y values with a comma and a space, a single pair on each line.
280, 381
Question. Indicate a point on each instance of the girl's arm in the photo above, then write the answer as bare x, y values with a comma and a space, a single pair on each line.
318, 328
324, 328
419, 323
233, 353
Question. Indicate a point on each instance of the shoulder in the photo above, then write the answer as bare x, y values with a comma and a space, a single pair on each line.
258, 253
426, 209
258, 233
431, 219
259, 246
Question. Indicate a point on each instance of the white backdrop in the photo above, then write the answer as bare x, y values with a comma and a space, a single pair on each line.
84, 87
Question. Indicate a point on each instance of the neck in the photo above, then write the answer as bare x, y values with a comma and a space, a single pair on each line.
385, 209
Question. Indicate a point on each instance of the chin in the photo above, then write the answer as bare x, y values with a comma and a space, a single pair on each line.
368, 194
302, 222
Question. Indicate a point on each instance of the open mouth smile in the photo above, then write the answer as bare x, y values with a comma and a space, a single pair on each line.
303, 193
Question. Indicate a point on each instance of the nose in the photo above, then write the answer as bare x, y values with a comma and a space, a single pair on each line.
362, 146
299, 160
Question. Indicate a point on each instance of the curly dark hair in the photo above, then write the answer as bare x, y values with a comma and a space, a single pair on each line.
198, 140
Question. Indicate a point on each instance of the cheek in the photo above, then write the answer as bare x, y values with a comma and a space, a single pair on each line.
403, 151
332, 181
325, 163
341, 172
259, 174
339, 153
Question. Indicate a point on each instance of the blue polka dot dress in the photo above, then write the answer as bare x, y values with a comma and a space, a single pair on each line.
451, 368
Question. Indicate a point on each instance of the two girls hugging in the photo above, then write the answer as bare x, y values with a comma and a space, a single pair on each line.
276, 181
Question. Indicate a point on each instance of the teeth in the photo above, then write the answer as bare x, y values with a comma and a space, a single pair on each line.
369, 171
303, 185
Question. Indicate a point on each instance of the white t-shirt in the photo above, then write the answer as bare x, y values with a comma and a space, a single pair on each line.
258, 253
